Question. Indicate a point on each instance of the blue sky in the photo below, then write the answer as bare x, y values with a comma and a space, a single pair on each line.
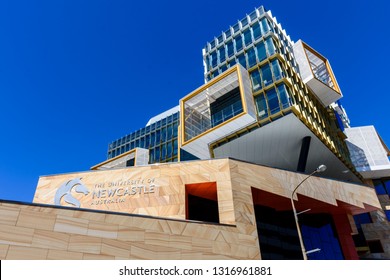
76, 75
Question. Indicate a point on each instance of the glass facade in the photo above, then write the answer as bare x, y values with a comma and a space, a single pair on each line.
258, 43
159, 137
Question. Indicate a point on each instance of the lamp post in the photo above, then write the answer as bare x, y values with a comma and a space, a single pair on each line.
320, 168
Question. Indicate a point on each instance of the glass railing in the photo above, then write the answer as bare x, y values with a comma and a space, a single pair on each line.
227, 113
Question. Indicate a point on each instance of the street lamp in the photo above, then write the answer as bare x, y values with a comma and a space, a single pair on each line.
320, 168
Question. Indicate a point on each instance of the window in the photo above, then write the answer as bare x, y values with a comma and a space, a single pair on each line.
270, 46
278, 73
241, 60
214, 60
256, 30
264, 25
266, 74
247, 37
232, 63
244, 22
236, 27
261, 52
261, 106
256, 80
251, 55
238, 41
221, 52
230, 48
284, 96
228, 33
382, 187
273, 102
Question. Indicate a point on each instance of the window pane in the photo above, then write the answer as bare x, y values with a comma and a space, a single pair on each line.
261, 53
238, 41
175, 127
230, 48
214, 60
244, 22
251, 57
276, 70
256, 31
379, 187
387, 186
241, 60
273, 102
169, 149
256, 80
266, 74
261, 106
175, 147
157, 154
222, 56
264, 25
270, 46
284, 97
247, 37
232, 63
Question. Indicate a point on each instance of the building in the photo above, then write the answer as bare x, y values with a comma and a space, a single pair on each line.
214, 176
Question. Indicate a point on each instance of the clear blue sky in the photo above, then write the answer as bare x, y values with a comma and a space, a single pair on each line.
75, 75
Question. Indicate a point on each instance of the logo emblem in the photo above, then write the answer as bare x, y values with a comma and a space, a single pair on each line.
65, 191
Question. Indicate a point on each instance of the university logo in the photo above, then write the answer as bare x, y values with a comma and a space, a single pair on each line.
65, 191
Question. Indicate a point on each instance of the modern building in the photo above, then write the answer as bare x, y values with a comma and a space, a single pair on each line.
214, 177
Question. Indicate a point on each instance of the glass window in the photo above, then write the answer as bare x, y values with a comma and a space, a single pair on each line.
379, 187
157, 154
220, 39
387, 186
238, 41
284, 96
164, 134
264, 25
175, 127
230, 48
387, 212
222, 56
232, 63
214, 60
175, 147
266, 74
147, 141
244, 22
256, 80
251, 55
270, 46
212, 44
241, 60
261, 52
261, 106
163, 151
256, 30
228, 33
247, 37
273, 102
169, 132
236, 27
253, 15
169, 149
158, 136
278, 74
223, 68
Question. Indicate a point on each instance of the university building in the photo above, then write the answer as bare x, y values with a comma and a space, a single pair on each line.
219, 175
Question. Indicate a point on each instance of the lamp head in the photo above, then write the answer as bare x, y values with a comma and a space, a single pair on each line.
321, 168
